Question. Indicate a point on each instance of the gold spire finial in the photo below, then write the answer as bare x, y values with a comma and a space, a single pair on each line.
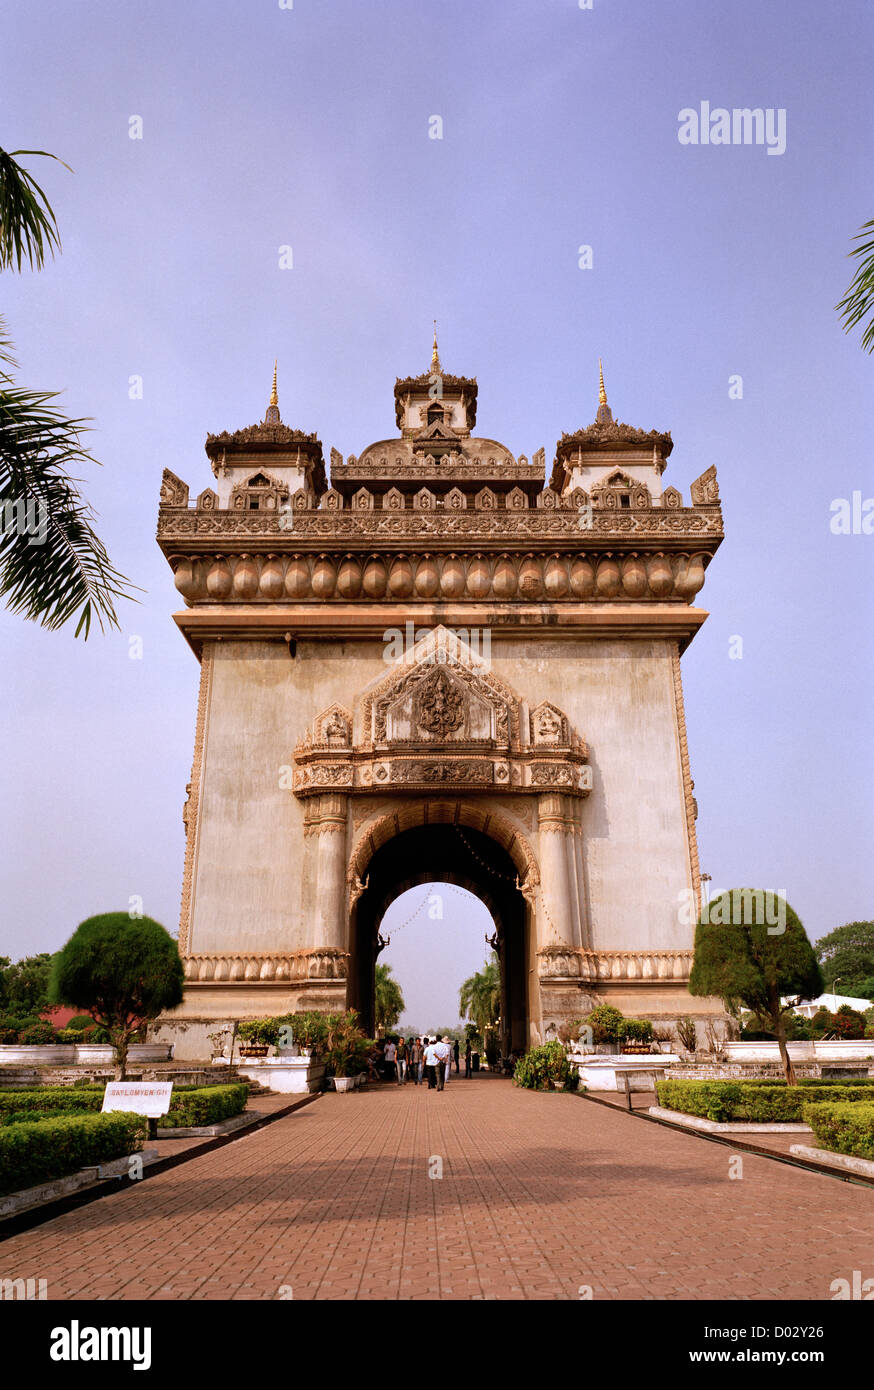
602, 394
274, 399
435, 355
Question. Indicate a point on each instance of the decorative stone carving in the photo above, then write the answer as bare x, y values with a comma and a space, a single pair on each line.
517, 500
362, 500
455, 500
705, 490
486, 500
443, 695
424, 500
332, 501
548, 500
393, 501
672, 499
548, 726
174, 493
207, 501
439, 704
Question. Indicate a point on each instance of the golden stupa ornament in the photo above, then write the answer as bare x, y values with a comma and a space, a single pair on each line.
435, 355
602, 394
273, 417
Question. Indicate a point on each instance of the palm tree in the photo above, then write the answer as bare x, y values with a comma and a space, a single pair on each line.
858, 302
389, 998
480, 996
52, 563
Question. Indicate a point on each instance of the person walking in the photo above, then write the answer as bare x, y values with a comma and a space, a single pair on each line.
433, 1065
417, 1056
442, 1053
401, 1061
455, 1053
467, 1052
391, 1054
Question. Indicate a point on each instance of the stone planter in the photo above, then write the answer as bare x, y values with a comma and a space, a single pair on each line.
285, 1075
599, 1073
344, 1083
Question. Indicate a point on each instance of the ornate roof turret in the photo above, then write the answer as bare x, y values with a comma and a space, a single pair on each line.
271, 442
600, 442
435, 386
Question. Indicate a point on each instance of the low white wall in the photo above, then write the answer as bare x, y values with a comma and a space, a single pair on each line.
74, 1054
849, 1051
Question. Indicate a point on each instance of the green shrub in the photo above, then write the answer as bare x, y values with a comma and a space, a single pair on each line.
80, 1022
636, 1030
823, 1022
845, 1129
308, 1029
205, 1105
38, 1034
759, 1102
605, 1023
189, 1106
259, 1031
51, 1148
48, 1100
546, 1068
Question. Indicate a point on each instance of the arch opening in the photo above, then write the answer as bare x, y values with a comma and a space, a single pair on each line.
457, 855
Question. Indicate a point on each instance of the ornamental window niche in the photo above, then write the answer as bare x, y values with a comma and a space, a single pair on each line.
257, 494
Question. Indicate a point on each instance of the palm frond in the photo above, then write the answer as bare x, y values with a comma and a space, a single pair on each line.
52, 563
858, 302
28, 228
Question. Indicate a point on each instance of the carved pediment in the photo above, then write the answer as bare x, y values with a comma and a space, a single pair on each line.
440, 715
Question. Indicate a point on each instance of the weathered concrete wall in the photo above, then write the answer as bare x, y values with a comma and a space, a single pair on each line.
249, 892
620, 698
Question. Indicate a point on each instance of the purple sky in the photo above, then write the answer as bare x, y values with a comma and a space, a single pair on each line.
308, 127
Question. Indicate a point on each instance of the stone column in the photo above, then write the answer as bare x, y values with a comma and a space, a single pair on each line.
556, 908
330, 906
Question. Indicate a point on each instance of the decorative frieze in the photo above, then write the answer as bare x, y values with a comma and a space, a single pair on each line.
269, 577
453, 519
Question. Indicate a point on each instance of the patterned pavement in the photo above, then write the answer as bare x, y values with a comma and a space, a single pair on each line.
541, 1197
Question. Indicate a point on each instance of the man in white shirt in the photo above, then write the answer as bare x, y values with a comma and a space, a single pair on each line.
433, 1065
391, 1053
442, 1053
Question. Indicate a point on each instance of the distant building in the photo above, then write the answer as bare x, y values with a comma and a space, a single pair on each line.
832, 1002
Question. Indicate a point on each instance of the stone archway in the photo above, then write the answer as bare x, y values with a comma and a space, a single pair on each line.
438, 843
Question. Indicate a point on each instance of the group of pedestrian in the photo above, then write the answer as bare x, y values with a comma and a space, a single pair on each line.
414, 1059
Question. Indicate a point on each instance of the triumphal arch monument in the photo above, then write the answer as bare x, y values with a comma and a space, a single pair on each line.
438, 664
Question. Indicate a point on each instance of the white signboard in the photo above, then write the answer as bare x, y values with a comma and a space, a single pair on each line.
150, 1098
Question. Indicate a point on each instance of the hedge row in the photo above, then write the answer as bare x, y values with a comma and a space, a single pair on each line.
206, 1105
189, 1106
44, 1149
754, 1101
845, 1129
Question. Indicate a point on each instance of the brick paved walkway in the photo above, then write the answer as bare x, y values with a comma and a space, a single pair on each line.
540, 1194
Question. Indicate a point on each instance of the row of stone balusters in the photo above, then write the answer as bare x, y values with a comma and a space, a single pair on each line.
273, 578
300, 965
